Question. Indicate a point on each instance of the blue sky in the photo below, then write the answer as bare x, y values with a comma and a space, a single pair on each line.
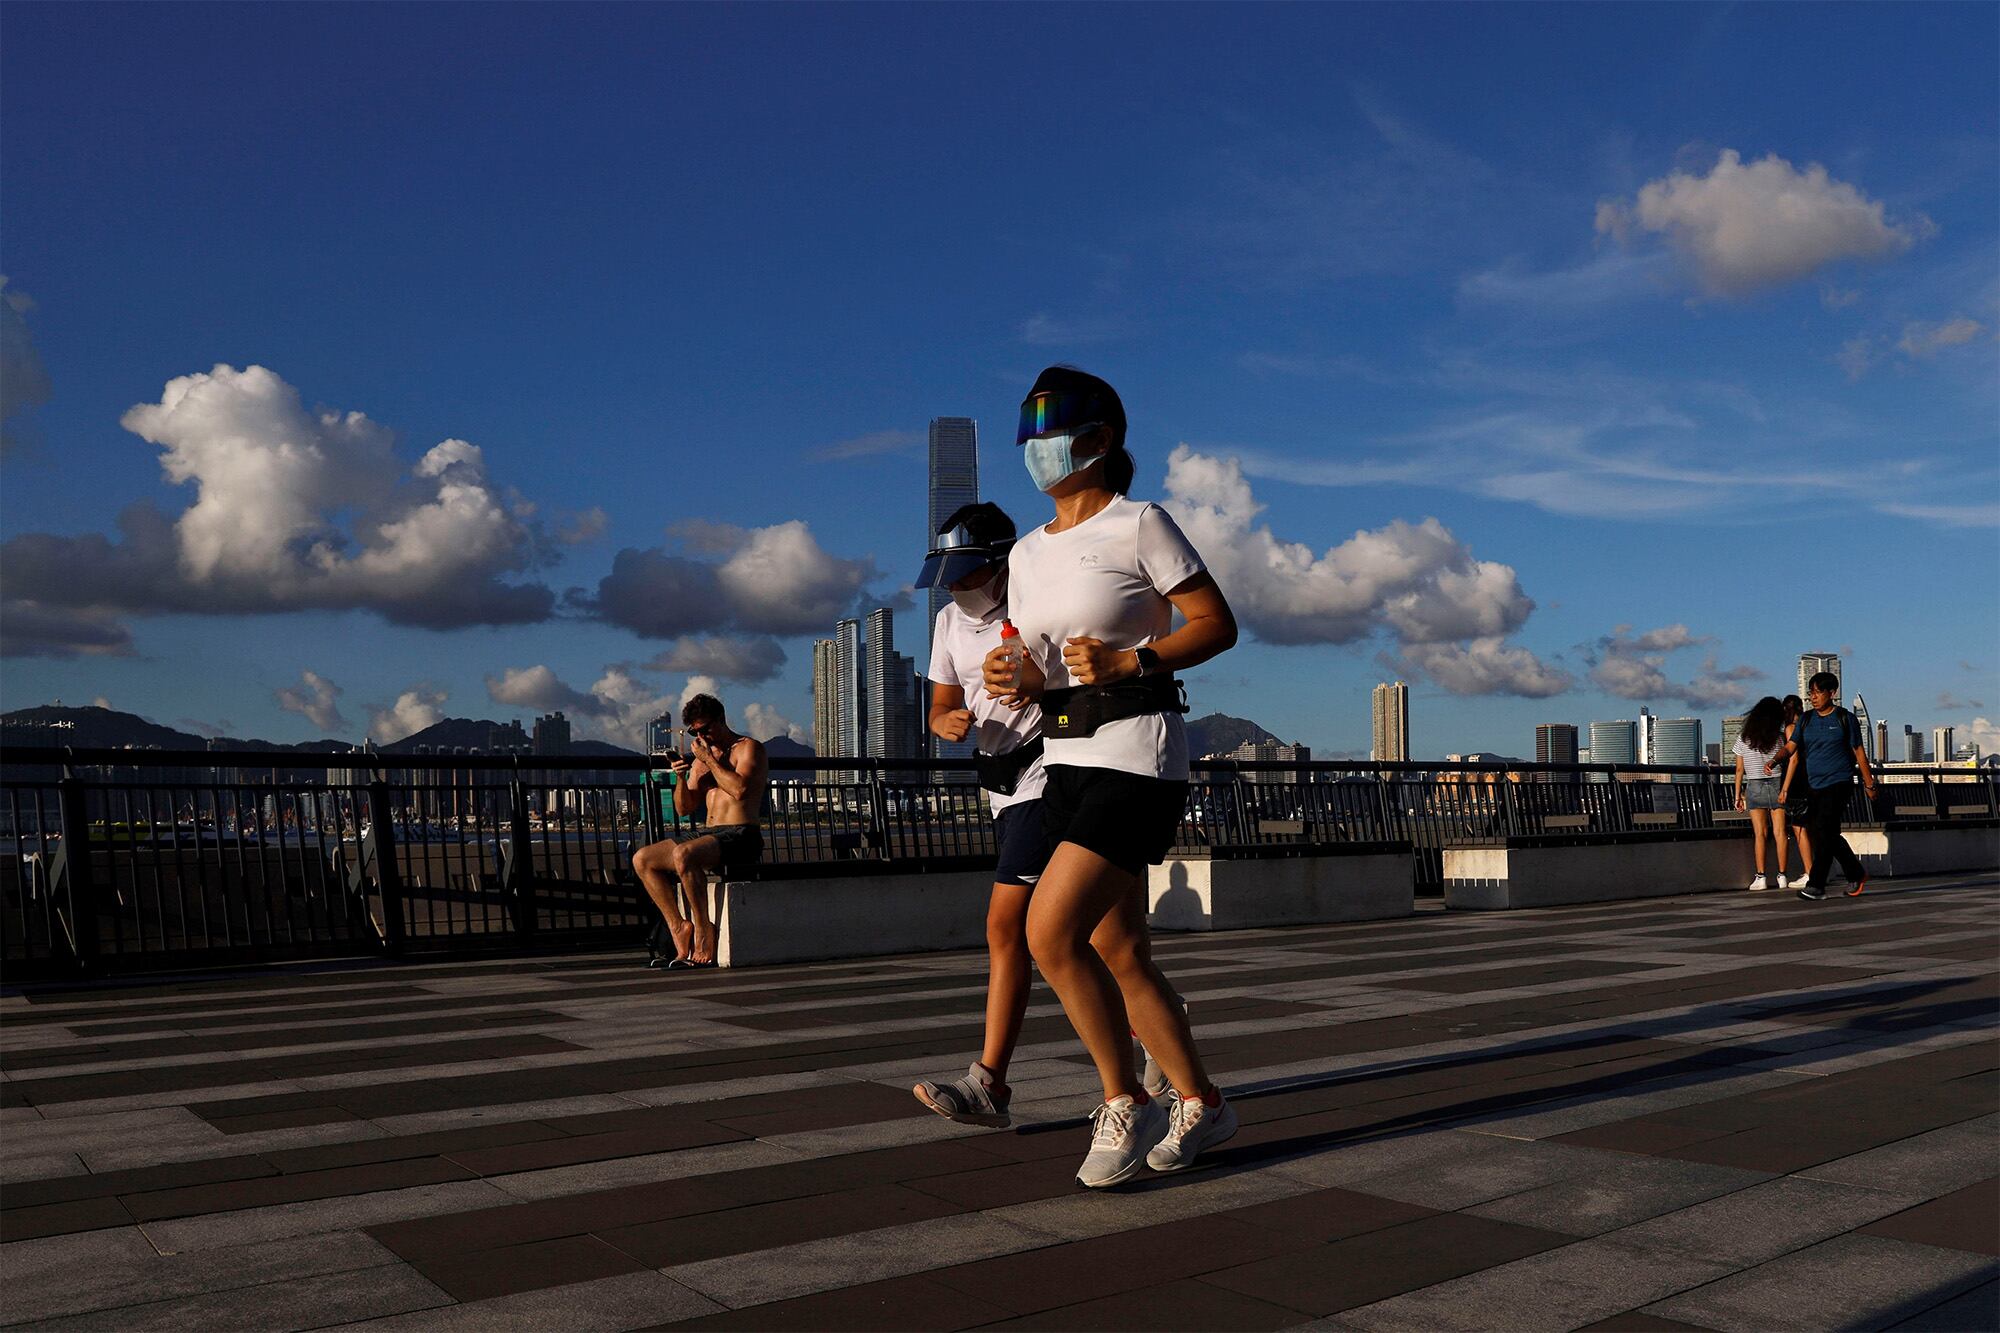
1672, 318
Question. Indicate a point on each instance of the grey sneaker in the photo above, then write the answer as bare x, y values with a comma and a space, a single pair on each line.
1122, 1133
1193, 1127
969, 1100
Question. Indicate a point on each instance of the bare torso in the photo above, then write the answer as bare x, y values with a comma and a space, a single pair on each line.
746, 757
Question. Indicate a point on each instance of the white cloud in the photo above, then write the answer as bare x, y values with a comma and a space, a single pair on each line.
1920, 341
726, 656
24, 383
537, 688
774, 580
30, 629
317, 700
1415, 582
1855, 356
414, 710
1985, 733
1746, 227
1954, 516
1633, 666
1834, 298
618, 707
101, 702
268, 530
762, 722
872, 445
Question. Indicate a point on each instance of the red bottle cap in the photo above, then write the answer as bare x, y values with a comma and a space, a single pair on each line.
1007, 630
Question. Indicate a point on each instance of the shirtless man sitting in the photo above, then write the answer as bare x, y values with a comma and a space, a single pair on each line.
724, 781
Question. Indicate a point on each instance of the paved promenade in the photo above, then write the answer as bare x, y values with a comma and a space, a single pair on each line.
1725, 1112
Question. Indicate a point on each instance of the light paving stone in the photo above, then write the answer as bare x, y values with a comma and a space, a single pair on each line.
93, 1107
603, 1305
303, 1303
249, 1226
18, 1116
114, 1283
557, 1181
1764, 1221
1090, 1213
430, 1122
75, 1134
25, 1261
146, 1152
1517, 1166
1857, 1282
723, 1089
918, 1128
1348, 1163
1556, 1290
1923, 1166
844, 1261
1629, 1192
40, 1166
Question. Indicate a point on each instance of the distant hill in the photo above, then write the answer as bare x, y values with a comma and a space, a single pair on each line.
1219, 733
784, 747
95, 728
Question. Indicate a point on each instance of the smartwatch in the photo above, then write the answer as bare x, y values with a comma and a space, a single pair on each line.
1149, 661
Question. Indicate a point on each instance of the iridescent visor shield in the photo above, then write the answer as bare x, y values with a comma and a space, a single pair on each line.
954, 554
1057, 413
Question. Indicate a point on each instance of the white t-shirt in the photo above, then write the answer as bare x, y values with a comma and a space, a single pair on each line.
1106, 578
1754, 760
959, 645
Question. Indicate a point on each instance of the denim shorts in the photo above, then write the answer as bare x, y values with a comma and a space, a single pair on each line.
1761, 794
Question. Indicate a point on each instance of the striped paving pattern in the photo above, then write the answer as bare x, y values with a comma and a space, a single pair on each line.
1729, 1112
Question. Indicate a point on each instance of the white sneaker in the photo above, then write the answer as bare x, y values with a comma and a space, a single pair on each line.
1782, 884
1195, 1126
1122, 1133
1758, 885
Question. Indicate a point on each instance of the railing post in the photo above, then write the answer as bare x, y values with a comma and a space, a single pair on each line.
1621, 804
388, 874
1510, 809
878, 813
520, 881
73, 872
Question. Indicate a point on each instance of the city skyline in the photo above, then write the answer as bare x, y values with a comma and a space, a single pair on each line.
521, 456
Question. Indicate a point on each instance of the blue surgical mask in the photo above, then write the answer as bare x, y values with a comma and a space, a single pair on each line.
1050, 459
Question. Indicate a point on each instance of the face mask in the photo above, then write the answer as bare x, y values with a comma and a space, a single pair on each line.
983, 601
1049, 460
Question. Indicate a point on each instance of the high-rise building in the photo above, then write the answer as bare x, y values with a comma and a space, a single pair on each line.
1810, 665
662, 732
850, 702
1613, 743
1273, 752
1646, 721
1555, 743
826, 703
1882, 742
954, 483
552, 733
1392, 723
1913, 745
1867, 732
891, 692
1714, 752
1677, 742
1732, 727
1943, 748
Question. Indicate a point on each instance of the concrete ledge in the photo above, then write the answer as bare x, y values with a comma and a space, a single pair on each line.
806, 919
1370, 882
1553, 872
1932, 849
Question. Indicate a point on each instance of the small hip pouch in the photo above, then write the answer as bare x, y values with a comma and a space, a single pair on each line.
1078, 712
1001, 773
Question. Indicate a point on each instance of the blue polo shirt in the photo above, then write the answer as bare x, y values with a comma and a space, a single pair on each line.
1827, 744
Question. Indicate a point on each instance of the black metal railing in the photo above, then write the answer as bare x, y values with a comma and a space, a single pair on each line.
115, 859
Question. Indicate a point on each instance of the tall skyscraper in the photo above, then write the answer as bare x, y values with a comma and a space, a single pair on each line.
1732, 727
1646, 721
552, 733
1677, 742
826, 703
661, 733
1882, 742
891, 692
954, 483
850, 719
1913, 745
1392, 723
1555, 743
1613, 743
1867, 732
1810, 665
1943, 745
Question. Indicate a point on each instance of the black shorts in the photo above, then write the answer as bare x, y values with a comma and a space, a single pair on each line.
1023, 835
741, 844
1128, 820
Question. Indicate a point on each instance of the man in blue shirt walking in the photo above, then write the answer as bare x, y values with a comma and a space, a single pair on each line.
1828, 741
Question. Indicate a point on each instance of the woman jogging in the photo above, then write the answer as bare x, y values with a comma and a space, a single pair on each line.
1094, 595
1756, 752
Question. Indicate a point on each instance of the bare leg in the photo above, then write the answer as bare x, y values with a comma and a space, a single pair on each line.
1155, 1012
1077, 891
1760, 825
1780, 835
1006, 976
692, 861
654, 865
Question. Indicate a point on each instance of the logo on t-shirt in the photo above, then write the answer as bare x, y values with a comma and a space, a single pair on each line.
1088, 560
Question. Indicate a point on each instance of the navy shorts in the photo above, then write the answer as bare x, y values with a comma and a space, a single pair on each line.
1023, 835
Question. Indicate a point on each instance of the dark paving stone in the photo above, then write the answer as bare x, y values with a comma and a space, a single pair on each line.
271, 1038
1190, 1303
1376, 1265
1967, 1219
1328, 1215
1503, 978
126, 1002
227, 1196
897, 1305
571, 1150
1650, 1137
60, 1219
364, 1151
301, 1118
531, 1267
761, 1226
1015, 1182
1637, 1321
1975, 1311
107, 1184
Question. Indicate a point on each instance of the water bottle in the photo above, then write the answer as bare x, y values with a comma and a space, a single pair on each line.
1011, 651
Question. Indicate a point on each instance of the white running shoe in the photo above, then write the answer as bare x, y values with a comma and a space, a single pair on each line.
1758, 885
1782, 884
1195, 1126
1122, 1133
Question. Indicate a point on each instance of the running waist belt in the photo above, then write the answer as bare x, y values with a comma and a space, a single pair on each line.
1001, 773
1078, 712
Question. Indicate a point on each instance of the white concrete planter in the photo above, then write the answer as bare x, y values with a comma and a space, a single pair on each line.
1200, 894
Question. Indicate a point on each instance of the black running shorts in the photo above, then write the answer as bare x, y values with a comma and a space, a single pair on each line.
741, 844
1023, 835
1128, 820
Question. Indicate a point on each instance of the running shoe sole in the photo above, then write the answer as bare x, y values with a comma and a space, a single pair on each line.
1138, 1165
1000, 1121
1858, 889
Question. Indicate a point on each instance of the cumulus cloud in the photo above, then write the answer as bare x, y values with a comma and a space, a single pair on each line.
1955, 516
763, 722
728, 657
583, 526
618, 707
294, 509
538, 688
1985, 733
1951, 703
1633, 666
1855, 356
414, 710
772, 580
30, 629
874, 444
1415, 582
1920, 341
317, 699
1746, 227
24, 383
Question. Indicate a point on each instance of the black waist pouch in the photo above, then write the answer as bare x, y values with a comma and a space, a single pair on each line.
1001, 773
1078, 712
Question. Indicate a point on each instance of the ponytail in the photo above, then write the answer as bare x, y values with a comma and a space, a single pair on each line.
1118, 470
